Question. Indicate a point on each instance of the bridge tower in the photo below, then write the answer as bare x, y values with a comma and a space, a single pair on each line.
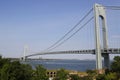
25, 51
99, 12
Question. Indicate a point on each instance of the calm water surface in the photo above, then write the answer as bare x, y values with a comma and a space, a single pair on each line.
79, 65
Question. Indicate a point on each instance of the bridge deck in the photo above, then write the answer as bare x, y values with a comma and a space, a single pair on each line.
92, 51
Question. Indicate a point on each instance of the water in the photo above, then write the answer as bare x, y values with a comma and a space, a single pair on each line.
78, 65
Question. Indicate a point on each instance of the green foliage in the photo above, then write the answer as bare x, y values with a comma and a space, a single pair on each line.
114, 73
3, 62
107, 71
111, 76
115, 66
101, 77
86, 78
61, 75
74, 77
93, 72
0, 57
40, 73
16, 71
4, 72
28, 72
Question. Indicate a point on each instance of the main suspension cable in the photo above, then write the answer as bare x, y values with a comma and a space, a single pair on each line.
72, 34
69, 30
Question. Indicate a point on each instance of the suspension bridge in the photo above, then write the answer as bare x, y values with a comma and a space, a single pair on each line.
99, 14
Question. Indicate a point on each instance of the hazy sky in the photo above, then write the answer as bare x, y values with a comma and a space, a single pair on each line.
40, 23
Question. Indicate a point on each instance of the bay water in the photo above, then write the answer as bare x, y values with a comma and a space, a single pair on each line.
77, 65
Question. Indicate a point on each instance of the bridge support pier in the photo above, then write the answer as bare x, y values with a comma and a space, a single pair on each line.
106, 61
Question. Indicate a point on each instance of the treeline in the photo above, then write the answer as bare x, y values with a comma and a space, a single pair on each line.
17, 71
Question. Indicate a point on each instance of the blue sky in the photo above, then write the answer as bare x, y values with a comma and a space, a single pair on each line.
40, 23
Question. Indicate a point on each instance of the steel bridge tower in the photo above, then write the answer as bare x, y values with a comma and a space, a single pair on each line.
99, 13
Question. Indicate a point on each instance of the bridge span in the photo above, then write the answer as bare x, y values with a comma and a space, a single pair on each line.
91, 51
104, 53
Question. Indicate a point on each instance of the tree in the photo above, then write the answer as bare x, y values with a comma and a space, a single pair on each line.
16, 71
2, 63
101, 77
115, 66
61, 75
111, 76
40, 73
114, 73
4, 72
74, 77
28, 71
